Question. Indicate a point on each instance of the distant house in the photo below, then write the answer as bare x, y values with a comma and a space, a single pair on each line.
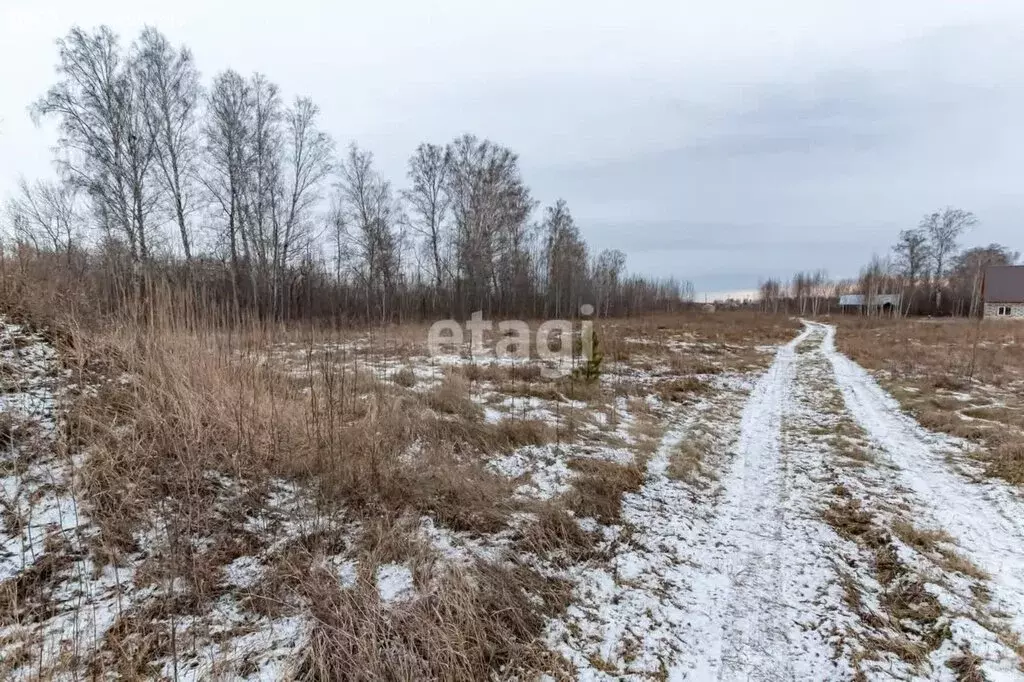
1003, 291
860, 302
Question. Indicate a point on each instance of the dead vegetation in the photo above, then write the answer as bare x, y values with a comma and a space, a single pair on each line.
959, 377
909, 623
600, 485
687, 460
469, 624
206, 447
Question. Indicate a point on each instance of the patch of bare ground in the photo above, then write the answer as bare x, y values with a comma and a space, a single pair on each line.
960, 377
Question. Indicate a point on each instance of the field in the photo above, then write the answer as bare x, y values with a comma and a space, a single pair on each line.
722, 496
953, 376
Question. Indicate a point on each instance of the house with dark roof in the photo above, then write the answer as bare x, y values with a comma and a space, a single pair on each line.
1003, 291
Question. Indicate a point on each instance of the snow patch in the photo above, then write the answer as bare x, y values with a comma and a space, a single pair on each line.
394, 582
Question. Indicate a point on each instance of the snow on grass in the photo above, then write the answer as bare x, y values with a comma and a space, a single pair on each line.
465, 548
986, 519
544, 471
77, 602
650, 612
394, 582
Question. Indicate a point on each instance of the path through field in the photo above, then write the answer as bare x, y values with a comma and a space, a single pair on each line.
792, 525
836, 540
986, 518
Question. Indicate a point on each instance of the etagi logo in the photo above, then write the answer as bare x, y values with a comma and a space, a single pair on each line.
552, 340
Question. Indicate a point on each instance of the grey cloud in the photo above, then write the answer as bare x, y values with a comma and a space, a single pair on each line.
703, 149
821, 173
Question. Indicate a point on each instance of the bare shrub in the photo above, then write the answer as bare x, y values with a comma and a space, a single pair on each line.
599, 486
471, 623
404, 377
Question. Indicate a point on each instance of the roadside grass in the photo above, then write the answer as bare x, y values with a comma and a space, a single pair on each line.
185, 430
600, 484
909, 624
954, 376
900, 615
688, 459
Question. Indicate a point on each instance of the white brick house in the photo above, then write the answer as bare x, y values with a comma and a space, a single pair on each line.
1003, 292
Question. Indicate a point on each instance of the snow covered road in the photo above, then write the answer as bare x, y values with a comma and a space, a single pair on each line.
741, 577
758, 590
986, 518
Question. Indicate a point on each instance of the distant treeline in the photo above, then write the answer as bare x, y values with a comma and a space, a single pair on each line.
927, 270
227, 189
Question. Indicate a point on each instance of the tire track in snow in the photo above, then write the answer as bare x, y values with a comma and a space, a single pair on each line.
758, 602
987, 519
628, 615
730, 581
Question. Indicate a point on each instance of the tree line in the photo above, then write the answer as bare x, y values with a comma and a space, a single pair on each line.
229, 187
926, 269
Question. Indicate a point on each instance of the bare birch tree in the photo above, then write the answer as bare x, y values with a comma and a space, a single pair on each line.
263, 186
45, 215
913, 254
609, 267
428, 171
226, 136
307, 166
490, 207
370, 222
944, 229
566, 259
170, 89
106, 147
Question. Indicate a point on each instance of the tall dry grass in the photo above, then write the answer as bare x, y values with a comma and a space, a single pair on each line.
962, 377
180, 406
186, 422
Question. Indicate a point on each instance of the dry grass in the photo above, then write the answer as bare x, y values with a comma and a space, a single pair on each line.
192, 424
174, 406
682, 390
715, 342
515, 433
556, 535
528, 372
452, 397
471, 624
923, 540
646, 431
941, 351
1006, 460
967, 667
600, 485
954, 376
404, 377
909, 624
685, 461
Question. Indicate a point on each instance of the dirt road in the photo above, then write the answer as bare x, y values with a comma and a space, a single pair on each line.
838, 540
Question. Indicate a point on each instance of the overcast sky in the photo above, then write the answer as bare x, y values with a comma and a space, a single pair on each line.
721, 142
